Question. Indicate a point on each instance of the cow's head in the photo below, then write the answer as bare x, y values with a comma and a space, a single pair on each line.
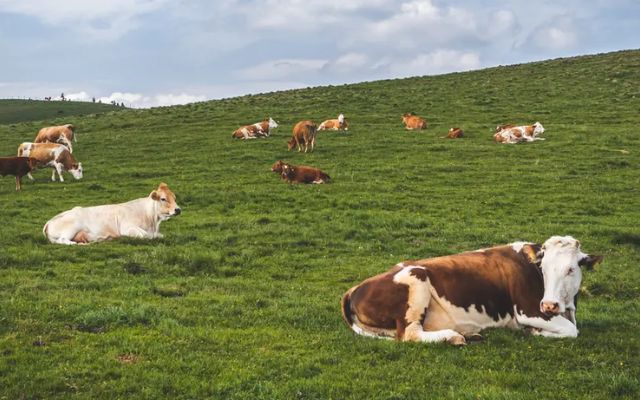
272, 123
165, 201
277, 166
76, 170
291, 144
560, 259
538, 129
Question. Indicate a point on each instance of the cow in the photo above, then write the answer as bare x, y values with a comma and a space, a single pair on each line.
277, 167
62, 134
52, 155
411, 121
138, 218
253, 131
304, 134
520, 286
302, 174
334, 124
518, 134
502, 127
454, 133
18, 167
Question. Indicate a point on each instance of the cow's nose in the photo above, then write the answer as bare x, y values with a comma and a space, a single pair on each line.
178, 211
550, 307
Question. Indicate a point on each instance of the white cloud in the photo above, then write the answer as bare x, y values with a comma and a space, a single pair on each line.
555, 38
103, 19
437, 62
347, 63
138, 100
281, 69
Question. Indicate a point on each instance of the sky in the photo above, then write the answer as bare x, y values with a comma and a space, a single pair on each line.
148, 53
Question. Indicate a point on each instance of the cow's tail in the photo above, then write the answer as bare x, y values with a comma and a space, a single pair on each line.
45, 230
347, 313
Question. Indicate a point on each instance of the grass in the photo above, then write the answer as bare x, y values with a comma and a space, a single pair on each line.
13, 111
240, 299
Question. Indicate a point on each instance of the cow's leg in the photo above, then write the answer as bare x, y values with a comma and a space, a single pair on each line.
417, 304
137, 232
63, 139
30, 176
557, 326
58, 169
18, 182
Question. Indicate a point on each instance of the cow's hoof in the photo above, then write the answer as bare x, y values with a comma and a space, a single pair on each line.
474, 337
457, 340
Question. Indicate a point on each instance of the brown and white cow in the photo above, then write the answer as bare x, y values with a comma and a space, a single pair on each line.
454, 133
138, 218
302, 174
521, 285
254, 131
52, 155
518, 134
412, 121
18, 167
334, 124
62, 134
304, 134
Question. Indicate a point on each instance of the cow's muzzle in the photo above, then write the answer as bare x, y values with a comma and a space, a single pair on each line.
177, 211
549, 308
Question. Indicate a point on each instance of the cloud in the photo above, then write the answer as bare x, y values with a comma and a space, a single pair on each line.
102, 19
437, 62
138, 100
555, 38
347, 63
281, 69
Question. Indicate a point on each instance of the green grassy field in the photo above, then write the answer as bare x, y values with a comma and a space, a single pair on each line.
240, 300
12, 111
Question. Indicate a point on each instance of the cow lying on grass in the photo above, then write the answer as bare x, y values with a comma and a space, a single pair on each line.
517, 134
18, 167
254, 131
454, 133
411, 121
521, 285
334, 124
138, 218
300, 173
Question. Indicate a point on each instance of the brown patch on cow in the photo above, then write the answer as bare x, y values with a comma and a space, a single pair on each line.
81, 237
419, 273
454, 133
411, 121
380, 302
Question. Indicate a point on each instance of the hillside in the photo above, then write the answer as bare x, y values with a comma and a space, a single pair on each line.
12, 111
240, 299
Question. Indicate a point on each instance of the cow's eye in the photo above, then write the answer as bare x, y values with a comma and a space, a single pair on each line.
570, 271
163, 199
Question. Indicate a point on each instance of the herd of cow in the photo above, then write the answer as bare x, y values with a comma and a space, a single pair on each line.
522, 285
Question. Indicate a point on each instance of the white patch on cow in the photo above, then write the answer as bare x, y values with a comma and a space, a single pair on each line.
557, 326
517, 246
560, 271
467, 322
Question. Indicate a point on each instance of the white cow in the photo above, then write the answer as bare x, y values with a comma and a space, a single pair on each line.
137, 218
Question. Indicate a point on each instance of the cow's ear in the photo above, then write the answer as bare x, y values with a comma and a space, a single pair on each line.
533, 253
154, 195
589, 261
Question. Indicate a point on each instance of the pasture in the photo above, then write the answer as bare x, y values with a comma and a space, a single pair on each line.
240, 299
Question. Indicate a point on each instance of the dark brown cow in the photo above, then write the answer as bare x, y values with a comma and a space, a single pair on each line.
18, 167
522, 285
304, 134
411, 121
303, 174
454, 133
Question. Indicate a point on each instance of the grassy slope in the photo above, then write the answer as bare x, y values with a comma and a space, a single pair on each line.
240, 299
12, 111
